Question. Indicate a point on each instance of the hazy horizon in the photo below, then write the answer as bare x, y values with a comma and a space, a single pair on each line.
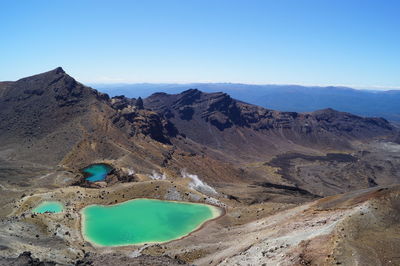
113, 84
126, 83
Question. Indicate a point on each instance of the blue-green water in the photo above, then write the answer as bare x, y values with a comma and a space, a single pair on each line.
49, 206
143, 221
96, 172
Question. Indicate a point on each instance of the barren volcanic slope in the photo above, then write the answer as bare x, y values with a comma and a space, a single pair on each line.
261, 166
223, 123
249, 136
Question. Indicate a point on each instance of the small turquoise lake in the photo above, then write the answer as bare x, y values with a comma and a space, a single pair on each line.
142, 221
49, 206
96, 172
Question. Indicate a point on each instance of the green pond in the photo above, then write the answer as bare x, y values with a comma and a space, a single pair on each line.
49, 206
142, 221
97, 172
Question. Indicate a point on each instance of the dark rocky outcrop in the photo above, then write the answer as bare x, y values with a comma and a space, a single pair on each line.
137, 120
114, 259
24, 259
291, 189
51, 113
224, 112
139, 104
217, 120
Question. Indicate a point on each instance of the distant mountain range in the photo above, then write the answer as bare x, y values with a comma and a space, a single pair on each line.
281, 97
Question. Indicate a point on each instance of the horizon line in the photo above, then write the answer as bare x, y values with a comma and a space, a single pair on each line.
346, 86
116, 81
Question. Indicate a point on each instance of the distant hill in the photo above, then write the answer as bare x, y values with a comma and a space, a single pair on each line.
226, 124
282, 97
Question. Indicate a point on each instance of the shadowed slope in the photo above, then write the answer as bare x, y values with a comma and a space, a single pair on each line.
228, 125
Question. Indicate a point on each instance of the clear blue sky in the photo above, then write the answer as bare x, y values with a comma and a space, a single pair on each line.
320, 42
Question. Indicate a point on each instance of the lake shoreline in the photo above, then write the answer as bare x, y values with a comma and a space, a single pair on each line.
217, 213
48, 206
87, 174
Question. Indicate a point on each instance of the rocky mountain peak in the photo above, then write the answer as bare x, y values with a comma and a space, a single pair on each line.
188, 97
46, 76
58, 70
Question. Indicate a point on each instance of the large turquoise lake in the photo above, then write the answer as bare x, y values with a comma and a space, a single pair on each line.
97, 172
142, 221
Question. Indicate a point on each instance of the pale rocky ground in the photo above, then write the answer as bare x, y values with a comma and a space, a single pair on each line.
357, 227
308, 234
